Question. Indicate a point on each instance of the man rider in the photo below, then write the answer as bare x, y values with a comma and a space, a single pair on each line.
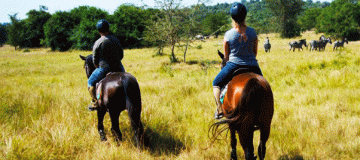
107, 56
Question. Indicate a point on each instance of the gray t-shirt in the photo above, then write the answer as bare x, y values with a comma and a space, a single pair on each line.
241, 48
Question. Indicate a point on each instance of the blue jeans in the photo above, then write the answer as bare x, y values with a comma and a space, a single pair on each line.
226, 74
100, 73
97, 75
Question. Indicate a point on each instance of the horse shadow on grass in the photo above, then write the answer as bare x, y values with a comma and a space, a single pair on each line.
295, 156
203, 62
162, 142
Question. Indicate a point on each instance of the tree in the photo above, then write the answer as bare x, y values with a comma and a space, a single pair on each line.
172, 25
33, 30
307, 21
168, 27
287, 12
3, 34
341, 19
153, 32
190, 27
58, 30
84, 33
214, 22
15, 31
261, 18
129, 25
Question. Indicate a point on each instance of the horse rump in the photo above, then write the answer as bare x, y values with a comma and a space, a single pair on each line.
248, 108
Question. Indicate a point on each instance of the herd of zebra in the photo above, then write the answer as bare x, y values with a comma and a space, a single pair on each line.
313, 45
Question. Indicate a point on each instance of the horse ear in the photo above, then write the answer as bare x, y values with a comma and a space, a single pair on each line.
82, 57
221, 55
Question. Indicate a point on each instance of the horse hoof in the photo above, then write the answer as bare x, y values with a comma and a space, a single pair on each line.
117, 135
102, 136
233, 155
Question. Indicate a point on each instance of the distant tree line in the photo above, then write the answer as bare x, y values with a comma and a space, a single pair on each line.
138, 27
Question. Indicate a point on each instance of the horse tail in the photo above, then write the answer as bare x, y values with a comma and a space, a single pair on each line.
132, 95
249, 106
133, 106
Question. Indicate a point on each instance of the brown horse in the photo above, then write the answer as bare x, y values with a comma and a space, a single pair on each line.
248, 106
117, 91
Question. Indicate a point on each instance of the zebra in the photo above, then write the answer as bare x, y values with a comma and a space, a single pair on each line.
322, 43
340, 43
319, 44
297, 44
267, 45
314, 45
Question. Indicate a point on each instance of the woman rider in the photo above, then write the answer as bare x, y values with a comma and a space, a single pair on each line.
240, 48
107, 56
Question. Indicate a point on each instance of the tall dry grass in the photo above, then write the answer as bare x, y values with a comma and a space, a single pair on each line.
43, 99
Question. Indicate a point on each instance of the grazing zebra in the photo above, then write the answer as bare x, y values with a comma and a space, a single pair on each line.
340, 43
297, 44
314, 45
322, 43
267, 45
319, 44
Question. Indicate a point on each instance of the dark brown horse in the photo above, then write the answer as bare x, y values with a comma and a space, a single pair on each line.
118, 91
248, 106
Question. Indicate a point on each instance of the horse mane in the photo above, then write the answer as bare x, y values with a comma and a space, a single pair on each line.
89, 60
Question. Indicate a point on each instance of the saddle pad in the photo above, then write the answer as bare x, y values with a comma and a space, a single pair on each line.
223, 93
98, 90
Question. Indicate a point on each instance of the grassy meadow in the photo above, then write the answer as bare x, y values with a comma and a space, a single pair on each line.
43, 99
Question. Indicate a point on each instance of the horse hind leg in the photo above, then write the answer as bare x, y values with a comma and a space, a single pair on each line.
233, 155
264, 136
246, 135
101, 114
115, 129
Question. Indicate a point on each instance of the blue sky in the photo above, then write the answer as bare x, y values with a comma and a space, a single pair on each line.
21, 7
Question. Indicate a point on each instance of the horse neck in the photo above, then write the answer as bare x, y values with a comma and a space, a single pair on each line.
90, 69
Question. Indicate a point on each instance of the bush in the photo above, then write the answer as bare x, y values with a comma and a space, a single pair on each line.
33, 31
129, 25
85, 33
341, 19
3, 34
58, 30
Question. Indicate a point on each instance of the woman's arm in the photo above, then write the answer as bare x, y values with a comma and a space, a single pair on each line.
226, 51
255, 46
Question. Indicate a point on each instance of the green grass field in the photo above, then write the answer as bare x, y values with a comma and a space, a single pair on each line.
43, 99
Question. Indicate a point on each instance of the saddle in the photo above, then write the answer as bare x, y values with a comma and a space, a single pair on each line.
99, 86
235, 73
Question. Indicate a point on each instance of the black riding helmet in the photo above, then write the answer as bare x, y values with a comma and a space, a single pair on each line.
103, 26
238, 12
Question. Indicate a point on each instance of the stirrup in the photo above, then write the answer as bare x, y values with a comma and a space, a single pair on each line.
93, 106
218, 115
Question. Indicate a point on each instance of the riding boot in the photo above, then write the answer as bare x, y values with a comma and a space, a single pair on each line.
94, 105
219, 112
